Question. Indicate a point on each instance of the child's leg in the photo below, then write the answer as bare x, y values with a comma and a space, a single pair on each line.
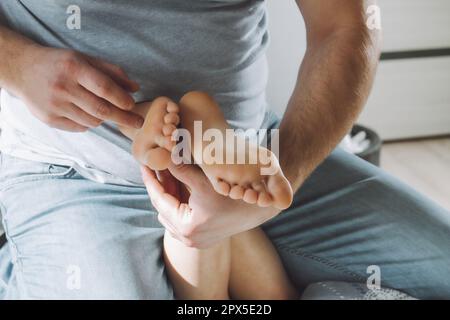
256, 269
243, 267
198, 274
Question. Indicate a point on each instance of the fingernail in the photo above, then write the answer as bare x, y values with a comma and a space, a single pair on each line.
139, 122
131, 105
136, 87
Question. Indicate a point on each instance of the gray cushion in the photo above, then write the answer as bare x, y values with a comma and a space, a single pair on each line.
335, 290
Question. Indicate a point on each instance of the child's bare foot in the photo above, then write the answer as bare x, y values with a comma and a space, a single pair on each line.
238, 181
152, 144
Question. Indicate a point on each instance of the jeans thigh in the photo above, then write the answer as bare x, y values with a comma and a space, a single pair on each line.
350, 218
71, 238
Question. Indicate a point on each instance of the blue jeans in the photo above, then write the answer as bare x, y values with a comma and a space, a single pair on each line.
71, 238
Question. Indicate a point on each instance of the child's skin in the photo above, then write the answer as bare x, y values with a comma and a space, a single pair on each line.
245, 266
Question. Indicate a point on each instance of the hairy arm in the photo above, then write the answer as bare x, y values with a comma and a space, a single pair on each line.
332, 86
13, 47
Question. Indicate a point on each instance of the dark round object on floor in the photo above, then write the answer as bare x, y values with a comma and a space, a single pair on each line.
373, 153
2, 240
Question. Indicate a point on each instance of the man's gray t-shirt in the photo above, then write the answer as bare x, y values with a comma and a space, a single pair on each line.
168, 46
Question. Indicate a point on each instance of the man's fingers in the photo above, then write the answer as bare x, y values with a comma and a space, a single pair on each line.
166, 224
192, 176
169, 182
116, 73
79, 116
173, 214
173, 231
102, 109
66, 124
124, 118
104, 87
163, 201
151, 181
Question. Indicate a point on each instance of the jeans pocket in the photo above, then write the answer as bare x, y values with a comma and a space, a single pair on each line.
14, 170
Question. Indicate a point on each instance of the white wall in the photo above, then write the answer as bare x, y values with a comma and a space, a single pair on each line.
411, 98
287, 46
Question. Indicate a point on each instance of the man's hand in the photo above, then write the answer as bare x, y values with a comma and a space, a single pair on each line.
211, 217
65, 89
74, 92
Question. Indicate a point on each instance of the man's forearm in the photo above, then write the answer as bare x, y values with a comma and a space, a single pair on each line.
333, 84
13, 48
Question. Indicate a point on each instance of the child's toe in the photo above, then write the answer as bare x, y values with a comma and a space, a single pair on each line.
264, 200
236, 192
222, 188
280, 191
250, 196
258, 187
172, 107
165, 142
172, 118
168, 129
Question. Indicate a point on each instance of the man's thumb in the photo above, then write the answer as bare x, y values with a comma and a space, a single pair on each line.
191, 175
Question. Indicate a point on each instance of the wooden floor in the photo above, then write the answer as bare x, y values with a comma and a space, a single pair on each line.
423, 164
